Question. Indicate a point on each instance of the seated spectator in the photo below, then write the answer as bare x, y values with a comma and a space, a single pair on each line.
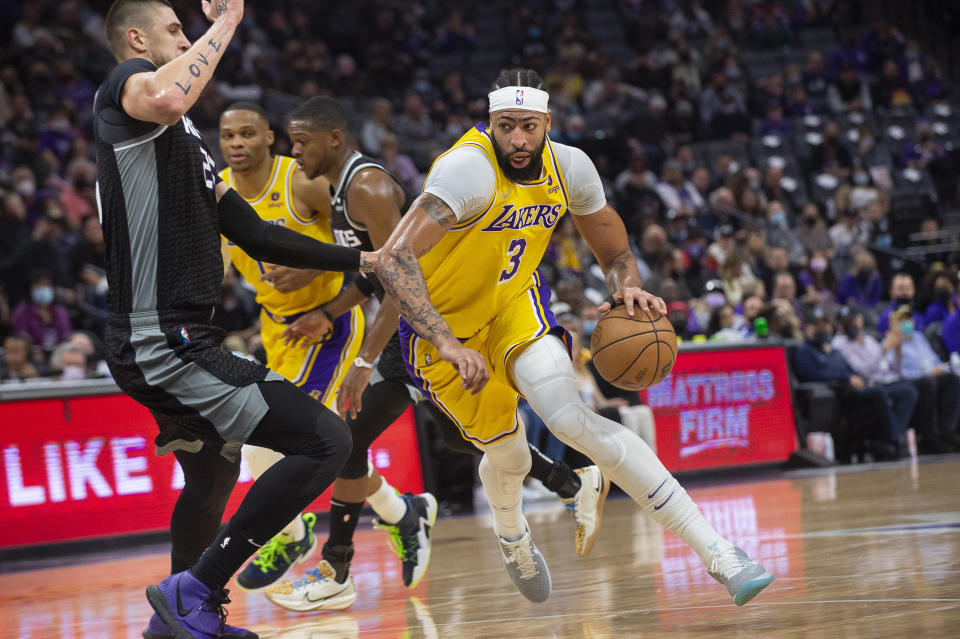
782, 320
902, 292
676, 193
944, 301
850, 231
414, 128
785, 290
736, 276
866, 357
818, 281
92, 347
863, 285
652, 244
849, 93
777, 232
816, 361
812, 233
774, 261
17, 364
399, 164
831, 155
815, 78
891, 91
723, 326
697, 272
45, 322
776, 123
751, 308
374, 129
68, 363
679, 315
938, 389
723, 108
752, 205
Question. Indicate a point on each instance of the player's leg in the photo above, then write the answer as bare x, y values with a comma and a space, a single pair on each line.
543, 373
315, 444
316, 369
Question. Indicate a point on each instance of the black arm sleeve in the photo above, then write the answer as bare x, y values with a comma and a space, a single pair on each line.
277, 244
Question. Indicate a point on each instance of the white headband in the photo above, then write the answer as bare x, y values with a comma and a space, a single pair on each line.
525, 98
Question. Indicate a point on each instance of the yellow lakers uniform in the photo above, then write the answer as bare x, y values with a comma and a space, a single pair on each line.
482, 278
317, 368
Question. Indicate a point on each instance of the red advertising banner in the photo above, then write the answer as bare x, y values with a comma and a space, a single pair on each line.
724, 408
85, 467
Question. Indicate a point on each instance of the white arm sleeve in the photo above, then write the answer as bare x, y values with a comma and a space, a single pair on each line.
583, 181
464, 180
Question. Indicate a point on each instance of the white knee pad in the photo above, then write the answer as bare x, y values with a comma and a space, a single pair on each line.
503, 468
260, 459
544, 375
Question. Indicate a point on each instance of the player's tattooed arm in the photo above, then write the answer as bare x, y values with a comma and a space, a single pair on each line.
399, 270
622, 271
165, 95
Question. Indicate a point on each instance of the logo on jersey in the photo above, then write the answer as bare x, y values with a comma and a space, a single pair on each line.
514, 219
519, 96
346, 238
275, 196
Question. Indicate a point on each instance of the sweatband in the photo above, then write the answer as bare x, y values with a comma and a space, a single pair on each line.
516, 97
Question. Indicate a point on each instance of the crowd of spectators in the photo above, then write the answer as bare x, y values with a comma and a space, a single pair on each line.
770, 159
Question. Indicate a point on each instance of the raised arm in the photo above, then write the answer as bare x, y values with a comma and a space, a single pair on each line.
165, 95
399, 271
605, 233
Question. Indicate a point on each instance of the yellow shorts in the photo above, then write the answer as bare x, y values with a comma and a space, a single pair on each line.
491, 414
316, 368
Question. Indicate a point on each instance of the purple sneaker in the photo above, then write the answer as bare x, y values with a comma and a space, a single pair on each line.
189, 609
156, 629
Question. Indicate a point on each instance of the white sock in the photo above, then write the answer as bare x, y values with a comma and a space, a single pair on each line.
388, 505
503, 468
544, 375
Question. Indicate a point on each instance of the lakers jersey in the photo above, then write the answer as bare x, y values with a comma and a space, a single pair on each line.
275, 205
484, 262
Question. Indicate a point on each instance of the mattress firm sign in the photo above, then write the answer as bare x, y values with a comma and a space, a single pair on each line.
724, 408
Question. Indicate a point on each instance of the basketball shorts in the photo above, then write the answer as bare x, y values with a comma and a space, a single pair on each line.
316, 368
491, 414
199, 393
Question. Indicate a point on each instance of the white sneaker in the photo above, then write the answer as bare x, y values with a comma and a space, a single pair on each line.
743, 577
316, 590
526, 567
586, 507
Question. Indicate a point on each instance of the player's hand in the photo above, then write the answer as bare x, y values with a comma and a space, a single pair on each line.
351, 391
368, 261
469, 363
287, 280
310, 328
631, 296
220, 9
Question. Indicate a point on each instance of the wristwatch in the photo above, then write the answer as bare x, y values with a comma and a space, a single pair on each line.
362, 363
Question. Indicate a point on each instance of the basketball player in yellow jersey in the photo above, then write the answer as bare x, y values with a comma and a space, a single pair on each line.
477, 330
281, 194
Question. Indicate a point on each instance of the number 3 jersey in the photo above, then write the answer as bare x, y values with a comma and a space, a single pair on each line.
489, 256
157, 208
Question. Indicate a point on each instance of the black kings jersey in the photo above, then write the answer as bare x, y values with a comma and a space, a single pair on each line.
158, 209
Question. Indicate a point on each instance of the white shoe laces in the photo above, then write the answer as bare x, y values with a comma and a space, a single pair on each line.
727, 562
526, 562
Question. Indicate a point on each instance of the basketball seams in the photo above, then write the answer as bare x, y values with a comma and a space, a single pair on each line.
646, 317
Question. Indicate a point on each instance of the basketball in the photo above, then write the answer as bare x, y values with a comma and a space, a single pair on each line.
635, 352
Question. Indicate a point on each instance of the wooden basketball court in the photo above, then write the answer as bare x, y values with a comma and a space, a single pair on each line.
858, 552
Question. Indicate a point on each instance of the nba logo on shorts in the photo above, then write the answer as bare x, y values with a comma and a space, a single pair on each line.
519, 96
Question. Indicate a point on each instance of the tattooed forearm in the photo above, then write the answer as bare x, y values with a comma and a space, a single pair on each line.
201, 59
436, 208
402, 278
221, 7
622, 271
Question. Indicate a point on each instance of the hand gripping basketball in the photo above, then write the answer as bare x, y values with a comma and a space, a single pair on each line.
631, 296
635, 351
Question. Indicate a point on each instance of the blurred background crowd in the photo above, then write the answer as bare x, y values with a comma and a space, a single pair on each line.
786, 169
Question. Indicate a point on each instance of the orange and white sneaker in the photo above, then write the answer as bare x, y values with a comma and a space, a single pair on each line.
318, 589
586, 507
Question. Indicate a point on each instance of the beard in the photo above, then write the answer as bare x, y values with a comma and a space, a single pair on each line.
532, 171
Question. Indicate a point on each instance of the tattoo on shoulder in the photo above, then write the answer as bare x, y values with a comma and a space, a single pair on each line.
437, 209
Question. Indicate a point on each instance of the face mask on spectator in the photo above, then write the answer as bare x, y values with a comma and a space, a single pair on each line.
943, 295
810, 220
27, 188
818, 264
779, 219
820, 337
864, 274
715, 300
861, 179
71, 373
851, 331
903, 301
588, 327
907, 327
42, 295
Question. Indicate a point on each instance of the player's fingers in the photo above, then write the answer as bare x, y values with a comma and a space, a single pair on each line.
629, 300
643, 300
342, 405
660, 305
356, 404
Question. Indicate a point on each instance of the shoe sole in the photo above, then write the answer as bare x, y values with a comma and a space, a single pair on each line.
432, 509
340, 602
161, 606
752, 588
588, 542
300, 560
